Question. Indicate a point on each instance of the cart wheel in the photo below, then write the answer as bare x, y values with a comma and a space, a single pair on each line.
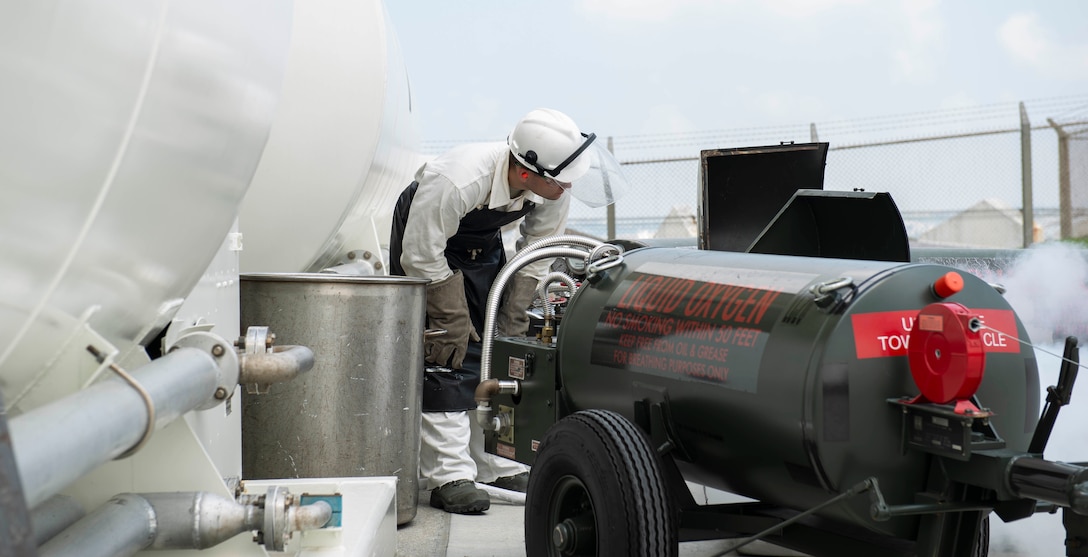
596, 489
982, 547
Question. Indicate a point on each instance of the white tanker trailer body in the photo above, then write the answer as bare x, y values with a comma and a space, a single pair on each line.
135, 134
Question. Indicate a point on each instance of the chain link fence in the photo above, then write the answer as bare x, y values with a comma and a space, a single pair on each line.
961, 178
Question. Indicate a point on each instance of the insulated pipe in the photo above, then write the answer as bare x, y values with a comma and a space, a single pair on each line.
283, 364
130, 522
60, 442
53, 516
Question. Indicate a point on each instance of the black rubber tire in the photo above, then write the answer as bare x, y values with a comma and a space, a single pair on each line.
982, 545
596, 469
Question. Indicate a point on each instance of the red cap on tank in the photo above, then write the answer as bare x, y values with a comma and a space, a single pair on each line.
949, 283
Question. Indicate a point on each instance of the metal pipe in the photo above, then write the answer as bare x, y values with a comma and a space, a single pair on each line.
198, 520
1065, 195
310, 517
53, 516
284, 364
1025, 177
483, 393
610, 211
121, 527
60, 442
131, 522
1060, 483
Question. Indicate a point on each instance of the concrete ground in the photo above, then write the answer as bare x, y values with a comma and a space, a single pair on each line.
434, 533
499, 532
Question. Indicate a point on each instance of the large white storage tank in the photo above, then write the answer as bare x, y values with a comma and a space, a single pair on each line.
150, 150
342, 148
131, 133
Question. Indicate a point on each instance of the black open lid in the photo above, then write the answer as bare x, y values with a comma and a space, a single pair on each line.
839, 224
742, 189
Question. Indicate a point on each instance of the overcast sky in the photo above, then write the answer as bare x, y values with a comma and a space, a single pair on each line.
631, 67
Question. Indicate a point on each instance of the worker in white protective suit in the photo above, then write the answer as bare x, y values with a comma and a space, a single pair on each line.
446, 228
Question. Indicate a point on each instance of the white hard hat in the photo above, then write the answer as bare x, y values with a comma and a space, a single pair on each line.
549, 143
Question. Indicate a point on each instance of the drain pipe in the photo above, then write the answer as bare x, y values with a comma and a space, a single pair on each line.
60, 442
130, 523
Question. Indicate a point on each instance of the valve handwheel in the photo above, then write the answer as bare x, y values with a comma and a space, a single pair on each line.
946, 354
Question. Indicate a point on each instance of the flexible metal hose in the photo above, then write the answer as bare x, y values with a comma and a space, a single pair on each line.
546, 282
529, 254
566, 245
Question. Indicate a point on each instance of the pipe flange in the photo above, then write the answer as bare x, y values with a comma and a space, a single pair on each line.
225, 357
276, 530
258, 340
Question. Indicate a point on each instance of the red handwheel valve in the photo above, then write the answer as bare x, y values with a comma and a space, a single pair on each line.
946, 355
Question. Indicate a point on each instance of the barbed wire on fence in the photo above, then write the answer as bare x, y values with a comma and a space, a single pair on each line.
1064, 108
960, 176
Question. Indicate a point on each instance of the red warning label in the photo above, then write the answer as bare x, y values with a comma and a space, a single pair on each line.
887, 333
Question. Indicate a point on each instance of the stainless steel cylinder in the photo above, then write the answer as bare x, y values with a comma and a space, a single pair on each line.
357, 412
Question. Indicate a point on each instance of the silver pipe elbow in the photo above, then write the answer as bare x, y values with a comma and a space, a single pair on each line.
284, 363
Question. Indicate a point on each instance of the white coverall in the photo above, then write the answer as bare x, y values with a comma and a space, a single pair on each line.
463, 179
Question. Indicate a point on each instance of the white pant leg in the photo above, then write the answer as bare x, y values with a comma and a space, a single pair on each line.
444, 448
488, 466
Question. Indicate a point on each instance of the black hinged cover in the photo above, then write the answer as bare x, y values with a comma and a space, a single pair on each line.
742, 189
838, 224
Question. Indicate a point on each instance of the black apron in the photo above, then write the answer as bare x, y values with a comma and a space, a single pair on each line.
477, 251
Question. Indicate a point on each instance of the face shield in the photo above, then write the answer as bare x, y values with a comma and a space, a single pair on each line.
603, 183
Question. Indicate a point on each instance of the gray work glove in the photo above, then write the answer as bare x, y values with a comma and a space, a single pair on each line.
447, 309
512, 319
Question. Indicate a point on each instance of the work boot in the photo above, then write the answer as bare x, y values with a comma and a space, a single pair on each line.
460, 496
517, 482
